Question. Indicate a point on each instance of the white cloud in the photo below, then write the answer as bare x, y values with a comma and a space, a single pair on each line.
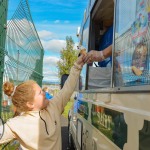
45, 35
75, 46
50, 60
50, 71
54, 45
61, 30
57, 21
51, 78
66, 21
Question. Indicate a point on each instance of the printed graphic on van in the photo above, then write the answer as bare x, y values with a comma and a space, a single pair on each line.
111, 123
83, 109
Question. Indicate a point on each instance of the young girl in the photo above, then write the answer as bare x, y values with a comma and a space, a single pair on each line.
38, 126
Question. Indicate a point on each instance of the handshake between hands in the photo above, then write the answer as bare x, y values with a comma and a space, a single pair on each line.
89, 57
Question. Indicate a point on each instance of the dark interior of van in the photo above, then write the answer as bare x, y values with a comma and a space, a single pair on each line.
103, 11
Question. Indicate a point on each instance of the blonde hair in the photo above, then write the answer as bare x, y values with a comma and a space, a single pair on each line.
45, 88
23, 93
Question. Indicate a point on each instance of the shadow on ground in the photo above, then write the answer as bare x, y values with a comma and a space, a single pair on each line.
64, 133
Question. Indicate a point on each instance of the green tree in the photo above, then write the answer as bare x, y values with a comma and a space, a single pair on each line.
68, 56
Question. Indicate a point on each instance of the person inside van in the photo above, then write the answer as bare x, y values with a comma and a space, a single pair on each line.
104, 55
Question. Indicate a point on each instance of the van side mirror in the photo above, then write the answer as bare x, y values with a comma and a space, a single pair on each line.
64, 77
1, 127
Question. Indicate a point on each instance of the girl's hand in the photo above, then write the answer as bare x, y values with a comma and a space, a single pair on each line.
93, 55
80, 60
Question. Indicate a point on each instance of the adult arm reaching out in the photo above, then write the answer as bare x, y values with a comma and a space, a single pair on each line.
98, 56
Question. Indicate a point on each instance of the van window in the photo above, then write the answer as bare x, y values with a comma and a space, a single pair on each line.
101, 37
132, 32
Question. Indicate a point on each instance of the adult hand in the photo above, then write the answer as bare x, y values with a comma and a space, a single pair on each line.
91, 56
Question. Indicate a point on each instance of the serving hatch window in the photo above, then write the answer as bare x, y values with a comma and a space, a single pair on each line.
132, 45
101, 37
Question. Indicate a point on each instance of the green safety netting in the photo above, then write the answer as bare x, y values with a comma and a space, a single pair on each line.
21, 52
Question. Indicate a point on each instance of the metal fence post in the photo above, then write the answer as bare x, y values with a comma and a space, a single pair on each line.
3, 19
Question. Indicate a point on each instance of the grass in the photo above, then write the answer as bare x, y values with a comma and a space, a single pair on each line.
11, 146
7, 114
67, 108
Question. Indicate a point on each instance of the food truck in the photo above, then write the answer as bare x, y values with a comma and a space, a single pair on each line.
112, 106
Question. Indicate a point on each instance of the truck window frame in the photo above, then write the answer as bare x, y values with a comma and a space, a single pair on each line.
112, 88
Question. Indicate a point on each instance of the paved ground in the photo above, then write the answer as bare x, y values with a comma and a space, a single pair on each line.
64, 132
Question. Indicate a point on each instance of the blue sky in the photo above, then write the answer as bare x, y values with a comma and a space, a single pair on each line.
54, 20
